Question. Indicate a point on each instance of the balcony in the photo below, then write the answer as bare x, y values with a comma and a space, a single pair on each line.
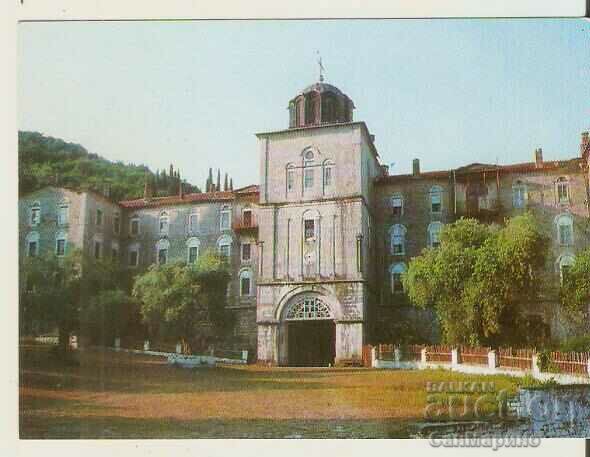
246, 223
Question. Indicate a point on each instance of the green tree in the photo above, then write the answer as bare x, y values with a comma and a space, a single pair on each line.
185, 302
49, 293
480, 279
575, 293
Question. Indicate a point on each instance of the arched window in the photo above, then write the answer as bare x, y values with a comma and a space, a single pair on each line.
134, 226
192, 250
308, 170
245, 283
396, 271
193, 221
310, 225
32, 241
134, 255
565, 262
290, 177
224, 246
164, 223
225, 218
398, 239
328, 174
519, 194
434, 229
60, 243
563, 190
162, 248
397, 205
565, 230
35, 214
63, 213
308, 308
435, 199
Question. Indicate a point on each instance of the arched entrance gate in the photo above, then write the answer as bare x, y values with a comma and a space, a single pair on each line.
311, 332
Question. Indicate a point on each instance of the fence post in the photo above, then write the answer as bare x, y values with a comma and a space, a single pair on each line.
455, 356
423, 355
397, 354
245, 355
374, 355
117, 344
146, 345
493, 360
536, 369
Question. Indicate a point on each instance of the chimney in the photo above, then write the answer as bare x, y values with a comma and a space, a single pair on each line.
538, 158
584, 143
416, 167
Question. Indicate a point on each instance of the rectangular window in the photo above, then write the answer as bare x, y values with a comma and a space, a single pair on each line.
35, 216
246, 251
133, 258
193, 254
97, 249
435, 203
565, 235
32, 248
396, 203
309, 226
290, 180
563, 192
397, 285
224, 223
398, 245
162, 256
98, 217
247, 218
117, 223
135, 227
60, 248
245, 286
328, 176
224, 250
308, 178
193, 223
62, 215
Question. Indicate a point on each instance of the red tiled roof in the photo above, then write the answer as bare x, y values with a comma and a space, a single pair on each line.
523, 167
176, 199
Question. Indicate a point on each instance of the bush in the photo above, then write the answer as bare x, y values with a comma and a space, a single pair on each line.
576, 344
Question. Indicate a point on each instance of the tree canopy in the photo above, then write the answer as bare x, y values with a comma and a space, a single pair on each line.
575, 293
480, 279
185, 302
44, 161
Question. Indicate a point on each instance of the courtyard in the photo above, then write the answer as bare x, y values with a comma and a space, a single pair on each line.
118, 395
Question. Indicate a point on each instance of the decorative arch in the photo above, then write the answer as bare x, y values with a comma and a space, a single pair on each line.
308, 307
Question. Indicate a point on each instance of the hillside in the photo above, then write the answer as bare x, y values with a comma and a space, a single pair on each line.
44, 160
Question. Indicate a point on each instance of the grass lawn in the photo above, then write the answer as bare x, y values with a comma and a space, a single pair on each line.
117, 395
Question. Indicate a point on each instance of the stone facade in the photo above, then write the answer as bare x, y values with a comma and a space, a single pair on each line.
318, 249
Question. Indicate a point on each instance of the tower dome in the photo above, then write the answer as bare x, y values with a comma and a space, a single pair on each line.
320, 103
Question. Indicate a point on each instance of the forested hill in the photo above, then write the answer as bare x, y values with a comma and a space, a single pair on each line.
44, 161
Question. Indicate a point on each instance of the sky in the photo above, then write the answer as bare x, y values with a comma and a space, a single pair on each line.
194, 93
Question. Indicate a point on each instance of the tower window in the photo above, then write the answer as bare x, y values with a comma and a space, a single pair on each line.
309, 228
308, 178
